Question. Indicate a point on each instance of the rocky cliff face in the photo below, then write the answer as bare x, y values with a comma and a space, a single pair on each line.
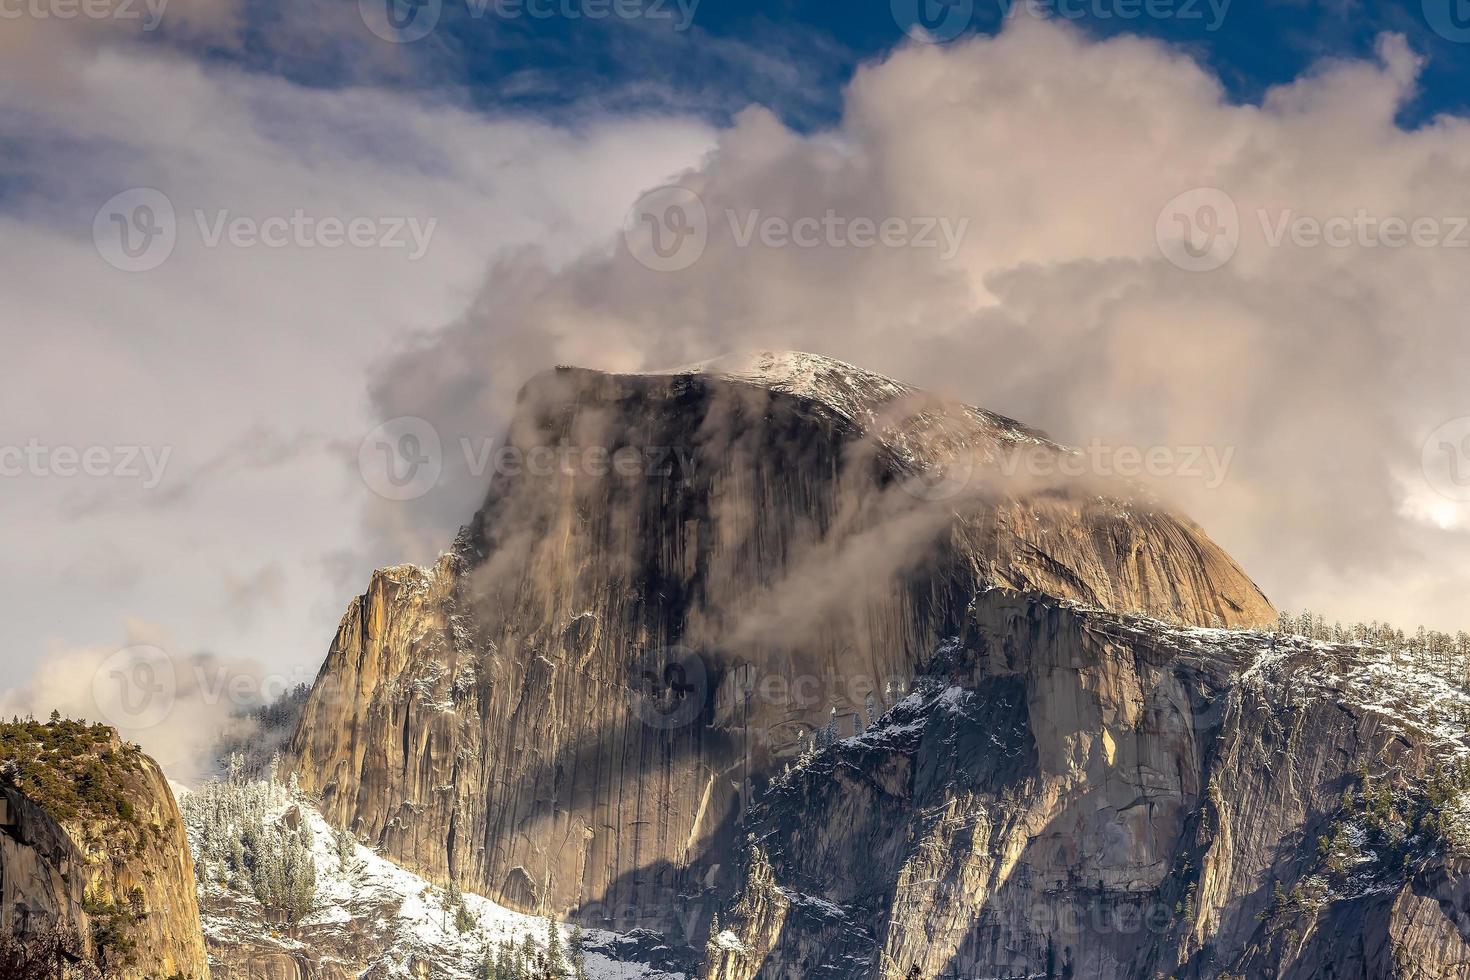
571, 710
1070, 793
643, 688
91, 838
41, 882
787, 525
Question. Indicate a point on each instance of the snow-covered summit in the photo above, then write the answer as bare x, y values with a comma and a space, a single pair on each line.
850, 391
906, 418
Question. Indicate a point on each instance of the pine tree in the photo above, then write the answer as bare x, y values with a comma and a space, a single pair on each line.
239, 874
454, 902
575, 954
553, 949
528, 965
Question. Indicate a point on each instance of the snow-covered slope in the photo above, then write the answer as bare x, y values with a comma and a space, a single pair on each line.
1421, 695
372, 918
850, 391
1410, 696
894, 411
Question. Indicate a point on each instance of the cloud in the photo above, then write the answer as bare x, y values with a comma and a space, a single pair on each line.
1322, 367
246, 595
176, 705
245, 364
44, 44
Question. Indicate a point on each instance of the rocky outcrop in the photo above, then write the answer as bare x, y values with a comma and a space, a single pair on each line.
570, 710
41, 879
1070, 793
644, 689
145, 868
91, 838
1018, 814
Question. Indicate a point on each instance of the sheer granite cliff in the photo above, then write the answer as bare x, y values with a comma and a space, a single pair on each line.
644, 687
571, 709
41, 885
1069, 793
91, 840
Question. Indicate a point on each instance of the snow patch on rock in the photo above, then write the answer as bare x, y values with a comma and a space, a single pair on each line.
367, 902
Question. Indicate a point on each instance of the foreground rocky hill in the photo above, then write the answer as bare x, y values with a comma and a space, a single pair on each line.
818, 675
93, 853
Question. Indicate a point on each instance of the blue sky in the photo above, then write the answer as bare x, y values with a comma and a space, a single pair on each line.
716, 56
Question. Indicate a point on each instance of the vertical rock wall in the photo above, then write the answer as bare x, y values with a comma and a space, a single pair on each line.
570, 711
122, 880
1077, 795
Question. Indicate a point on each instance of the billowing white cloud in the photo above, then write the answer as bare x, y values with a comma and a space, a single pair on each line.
172, 435
1319, 366
177, 706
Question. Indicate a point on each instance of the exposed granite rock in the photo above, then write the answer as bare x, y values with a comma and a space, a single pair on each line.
1074, 794
568, 710
243, 961
92, 838
41, 879
602, 703
1010, 817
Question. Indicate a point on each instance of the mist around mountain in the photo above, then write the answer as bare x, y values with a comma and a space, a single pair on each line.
852, 682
